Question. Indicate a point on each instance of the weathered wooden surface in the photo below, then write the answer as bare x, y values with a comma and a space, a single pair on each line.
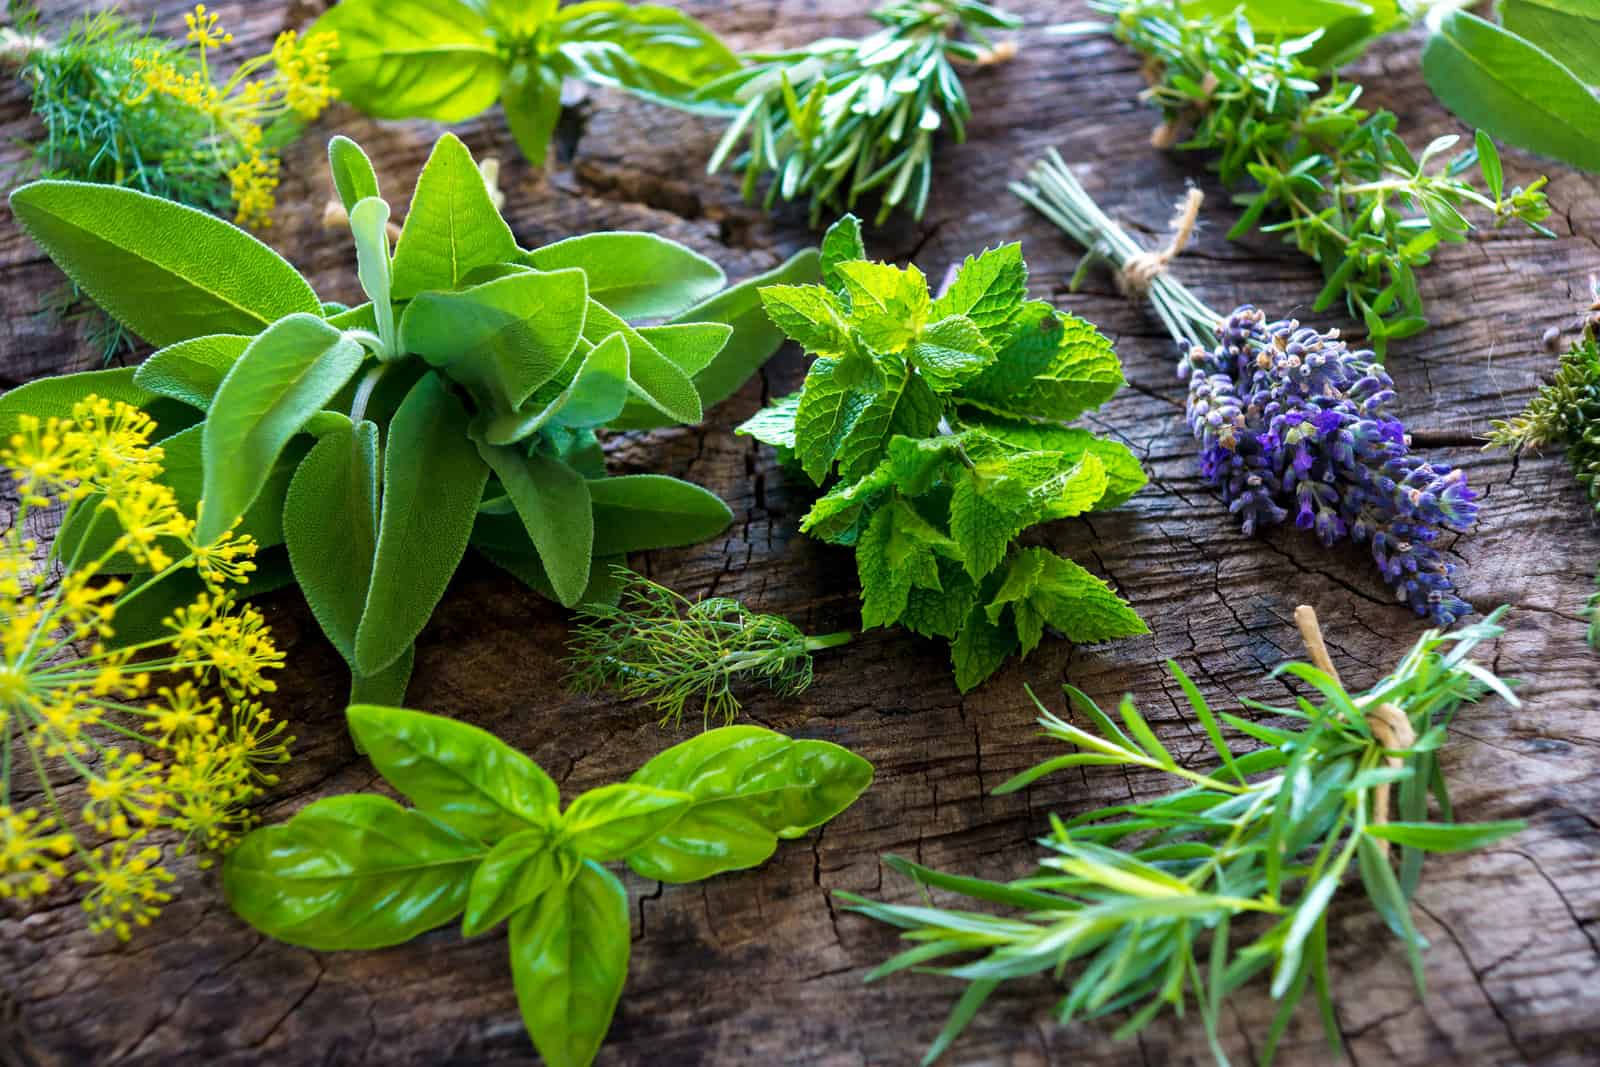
761, 967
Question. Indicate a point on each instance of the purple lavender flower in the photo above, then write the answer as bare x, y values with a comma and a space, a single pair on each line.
1293, 423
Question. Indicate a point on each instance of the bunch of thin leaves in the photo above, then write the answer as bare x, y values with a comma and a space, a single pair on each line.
1180, 901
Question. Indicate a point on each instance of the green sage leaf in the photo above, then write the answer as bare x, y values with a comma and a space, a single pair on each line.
638, 512
452, 226
552, 500
353, 177
330, 525
636, 275
192, 371
1568, 29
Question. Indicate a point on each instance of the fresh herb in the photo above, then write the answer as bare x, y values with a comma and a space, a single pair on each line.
1152, 904
941, 426
1288, 419
840, 118
658, 646
1566, 413
163, 730
1334, 179
459, 406
450, 60
489, 842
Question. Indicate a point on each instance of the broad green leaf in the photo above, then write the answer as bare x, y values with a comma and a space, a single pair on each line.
1513, 89
636, 275
638, 512
452, 226
950, 353
650, 49
608, 823
47, 398
569, 959
593, 398
1445, 837
330, 525
1568, 29
192, 371
750, 787
942, 614
990, 506
426, 59
531, 96
350, 872
166, 271
811, 316
1043, 588
1124, 475
388, 687
353, 177
841, 244
501, 339
987, 290
465, 777
284, 377
1052, 367
897, 552
652, 376
514, 874
433, 479
519, 18
553, 502
690, 346
979, 649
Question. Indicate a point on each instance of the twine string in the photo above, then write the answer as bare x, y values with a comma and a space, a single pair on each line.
1144, 267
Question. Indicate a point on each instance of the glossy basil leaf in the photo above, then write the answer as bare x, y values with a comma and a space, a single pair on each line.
353, 177
388, 687
369, 225
1515, 90
350, 872
284, 377
429, 59
636, 512
330, 525
593, 398
532, 99
569, 960
520, 18
636, 275
1568, 29
192, 371
552, 500
512, 876
165, 271
463, 776
609, 822
452, 225
647, 49
501, 339
750, 786
652, 376
433, 479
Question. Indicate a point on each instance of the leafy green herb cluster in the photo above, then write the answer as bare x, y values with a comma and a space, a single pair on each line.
488, 841
457, 407
840, 118
940, 425
1181, 900
450, 60
658, 646
1334, 179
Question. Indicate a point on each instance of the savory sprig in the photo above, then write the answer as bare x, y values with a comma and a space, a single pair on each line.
1180, 901
671, 652
839, 118
1335, 180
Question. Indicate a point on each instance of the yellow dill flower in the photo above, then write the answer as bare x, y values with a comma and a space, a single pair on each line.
304, 67
203, 28
254, 182
174, 764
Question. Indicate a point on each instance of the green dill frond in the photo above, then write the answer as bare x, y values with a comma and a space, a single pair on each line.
658, 646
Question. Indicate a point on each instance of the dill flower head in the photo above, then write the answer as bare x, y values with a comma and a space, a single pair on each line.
179, 762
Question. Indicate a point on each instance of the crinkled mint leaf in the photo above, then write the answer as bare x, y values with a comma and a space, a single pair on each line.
988, 289
1052, 368
951, 353
810, 315
1124, 475
888, 305
897, 552
1040, 587
774, 424
841, 244
980, 648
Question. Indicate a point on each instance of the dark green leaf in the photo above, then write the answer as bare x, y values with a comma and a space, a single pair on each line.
532, 99
1445, 837
637, 512
553, 502
330, 525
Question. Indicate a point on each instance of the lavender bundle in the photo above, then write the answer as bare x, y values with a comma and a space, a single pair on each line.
1291, 422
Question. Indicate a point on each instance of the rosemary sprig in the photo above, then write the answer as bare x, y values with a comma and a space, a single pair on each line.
1334, 179
840, 118
1182, 900
658, 646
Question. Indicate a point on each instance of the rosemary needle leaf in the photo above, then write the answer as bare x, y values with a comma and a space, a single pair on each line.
674, 653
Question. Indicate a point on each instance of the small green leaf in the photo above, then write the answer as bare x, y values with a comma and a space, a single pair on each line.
809, 315
569, 959
192, 371
898, 551
1052, 366
553, 502
452, 226
636, 275
532, 99
594, 397
350, 872
284, 377
841, 244
610, 822
979, 649
1042, 589
433, 479
1445, 837
773, 425
426, 59
638, 512
166, 271
353, 177
512, 876
651, 376
987, 290
951, 353
330, 525
465, 777
750, 787
369, 227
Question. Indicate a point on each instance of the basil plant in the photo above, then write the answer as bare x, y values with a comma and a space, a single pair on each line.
456, 408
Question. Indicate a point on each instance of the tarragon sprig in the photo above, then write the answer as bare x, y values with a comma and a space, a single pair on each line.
840, 118
1180, 901
1334, 179
671, 652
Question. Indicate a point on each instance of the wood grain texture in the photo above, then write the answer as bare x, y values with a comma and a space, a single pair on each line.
761, 967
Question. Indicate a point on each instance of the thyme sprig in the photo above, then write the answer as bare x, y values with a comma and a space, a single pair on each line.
840, 118
658, 646
1182, 900
1334, 179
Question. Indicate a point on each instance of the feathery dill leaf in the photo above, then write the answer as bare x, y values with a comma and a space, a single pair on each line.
658, 646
